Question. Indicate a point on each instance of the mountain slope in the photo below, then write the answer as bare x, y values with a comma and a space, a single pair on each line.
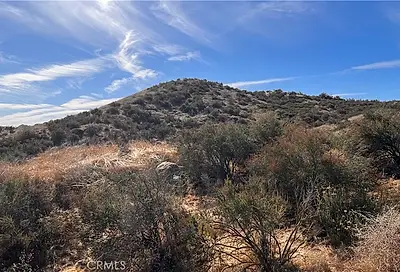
163, 110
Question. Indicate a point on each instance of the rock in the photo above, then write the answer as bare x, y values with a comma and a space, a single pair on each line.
167, 166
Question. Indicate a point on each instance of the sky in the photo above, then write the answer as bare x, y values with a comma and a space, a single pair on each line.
62, 57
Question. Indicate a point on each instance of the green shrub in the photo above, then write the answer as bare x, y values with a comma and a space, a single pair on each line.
113, 111
380, 136
341, 214
215, 152
157, 234
21, 230
58, 136
92, 131
249, 218
266, 128
304, 168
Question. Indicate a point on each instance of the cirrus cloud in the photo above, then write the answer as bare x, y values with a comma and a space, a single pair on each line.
44, 112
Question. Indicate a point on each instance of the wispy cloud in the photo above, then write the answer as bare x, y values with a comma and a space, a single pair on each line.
21, 82
5, 106
117, 84
8, 59
44, 112
258, 82
276, 9
128, 58
169, 49
172, 14
393, 12
195, 55
378, 65
128, 29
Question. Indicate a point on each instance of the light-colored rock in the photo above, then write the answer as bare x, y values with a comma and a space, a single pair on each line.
167, 166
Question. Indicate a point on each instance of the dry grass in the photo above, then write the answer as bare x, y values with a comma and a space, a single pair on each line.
318, 258
73, 269
53, 164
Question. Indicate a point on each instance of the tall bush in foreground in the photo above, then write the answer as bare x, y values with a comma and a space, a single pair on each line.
151, 233
303, 167
250, 219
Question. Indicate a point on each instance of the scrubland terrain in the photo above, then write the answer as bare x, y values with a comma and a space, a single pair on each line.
264, 194
164, 110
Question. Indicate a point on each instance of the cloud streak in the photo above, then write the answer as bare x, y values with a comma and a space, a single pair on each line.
172, 14
44, 112
118, 83
195, 55
8, 59
128, 29
22, 81
6, 106
127, 58
259, 82
378, 65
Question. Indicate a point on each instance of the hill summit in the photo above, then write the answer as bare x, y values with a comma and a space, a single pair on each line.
161, 111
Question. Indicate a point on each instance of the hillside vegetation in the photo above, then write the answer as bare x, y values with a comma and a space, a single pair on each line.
263, 196
161, 111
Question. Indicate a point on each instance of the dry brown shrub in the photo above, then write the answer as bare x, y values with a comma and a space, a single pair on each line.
379, 248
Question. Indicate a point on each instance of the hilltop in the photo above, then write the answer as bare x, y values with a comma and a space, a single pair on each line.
161, 111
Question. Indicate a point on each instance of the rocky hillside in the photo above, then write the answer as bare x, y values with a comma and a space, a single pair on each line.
161, 111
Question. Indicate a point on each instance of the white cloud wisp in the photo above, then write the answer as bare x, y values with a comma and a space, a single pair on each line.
258, 82
44, 112
378, 65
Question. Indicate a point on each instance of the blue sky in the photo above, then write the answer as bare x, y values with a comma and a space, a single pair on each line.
62, 57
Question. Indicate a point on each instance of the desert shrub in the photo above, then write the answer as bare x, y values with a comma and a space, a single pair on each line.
38, 231
156, 235
101, 206
21, 230
113, 111
341, 214
304, 168
232, 110
139, 101
217, 104
162, 130
189, 108
92, 130
58, 136
177, 98
215, 152
249, 218
266, 128
379, 246
78, 132
68, 237
380, 136
25, 134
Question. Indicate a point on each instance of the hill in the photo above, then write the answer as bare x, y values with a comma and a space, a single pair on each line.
161, 111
